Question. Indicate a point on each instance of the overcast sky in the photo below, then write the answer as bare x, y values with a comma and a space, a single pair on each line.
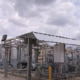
59, 17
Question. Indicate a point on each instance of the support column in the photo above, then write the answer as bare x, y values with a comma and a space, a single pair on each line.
6, 63
72, 58
9, 56
29, 62
17, 53
36, 55
79, 56
64, 59
60, 68
18, 56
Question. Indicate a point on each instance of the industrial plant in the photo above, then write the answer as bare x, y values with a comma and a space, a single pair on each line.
38, 56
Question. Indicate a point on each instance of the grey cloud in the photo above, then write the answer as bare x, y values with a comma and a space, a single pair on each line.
63, 14
76, 2
2, 31
23, 7
17, 23
10, 31
77, 36
33, 14
58, 20
28, 9
44, 2
61, 20
52, 30
6, 9
49, 30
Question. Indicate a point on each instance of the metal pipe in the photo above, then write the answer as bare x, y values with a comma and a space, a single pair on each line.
1, 51
45, 49
72, 59
9, 56
18, 56
6, 63
42, 52
36, 55
64, 61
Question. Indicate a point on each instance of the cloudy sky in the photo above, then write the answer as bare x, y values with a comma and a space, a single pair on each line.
59, 17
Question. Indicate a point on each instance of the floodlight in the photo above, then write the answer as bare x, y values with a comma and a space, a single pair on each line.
4, 37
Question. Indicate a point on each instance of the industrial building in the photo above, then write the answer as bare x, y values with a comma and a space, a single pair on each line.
34, 53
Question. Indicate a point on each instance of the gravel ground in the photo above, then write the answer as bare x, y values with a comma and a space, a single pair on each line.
10, 78
19, 78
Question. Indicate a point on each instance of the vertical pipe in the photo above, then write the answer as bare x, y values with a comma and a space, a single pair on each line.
64, 60
79, 55
1, 52
36, 51
42, 52
6, 64
49, 72
45, 49
9, 56
72, 58
18, 56
29, 66
36, 55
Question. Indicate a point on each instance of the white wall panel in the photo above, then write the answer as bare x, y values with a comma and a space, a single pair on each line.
59, 53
